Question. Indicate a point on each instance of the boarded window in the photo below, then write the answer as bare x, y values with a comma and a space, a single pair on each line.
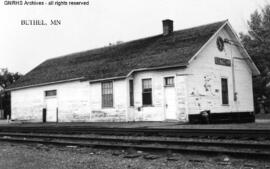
50, 93
131, 93
147, 92
224, 89
107, 94
169, 81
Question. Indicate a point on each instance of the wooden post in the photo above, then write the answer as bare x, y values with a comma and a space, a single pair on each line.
44, 112
56, 115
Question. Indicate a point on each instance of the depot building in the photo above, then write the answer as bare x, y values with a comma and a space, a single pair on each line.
173, 76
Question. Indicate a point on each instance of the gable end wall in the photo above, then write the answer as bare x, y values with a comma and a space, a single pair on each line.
204, 83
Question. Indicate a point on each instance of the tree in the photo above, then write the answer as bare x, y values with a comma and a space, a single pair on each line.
257, 43
6, 78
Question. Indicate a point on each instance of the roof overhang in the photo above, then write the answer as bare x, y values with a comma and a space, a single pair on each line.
139, 70
243, 51
99, 80
44, 84
253, 67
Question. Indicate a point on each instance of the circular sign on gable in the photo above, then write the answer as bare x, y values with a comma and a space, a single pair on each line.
220, 43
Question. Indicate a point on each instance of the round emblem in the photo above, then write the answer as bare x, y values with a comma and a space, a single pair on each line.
220, 44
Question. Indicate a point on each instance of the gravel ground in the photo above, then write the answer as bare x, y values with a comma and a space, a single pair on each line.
38, 156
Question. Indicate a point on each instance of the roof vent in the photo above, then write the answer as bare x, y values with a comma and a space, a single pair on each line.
167, 27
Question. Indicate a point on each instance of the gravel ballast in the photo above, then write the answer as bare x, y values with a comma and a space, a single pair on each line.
38, 156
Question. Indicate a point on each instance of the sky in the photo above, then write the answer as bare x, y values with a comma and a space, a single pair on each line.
22, 47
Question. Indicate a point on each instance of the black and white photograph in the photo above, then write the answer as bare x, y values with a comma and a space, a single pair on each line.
135, 84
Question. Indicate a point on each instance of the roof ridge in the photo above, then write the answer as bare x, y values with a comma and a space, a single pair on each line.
107, 47
202, 25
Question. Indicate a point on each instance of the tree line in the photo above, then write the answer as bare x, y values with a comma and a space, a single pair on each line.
257, 43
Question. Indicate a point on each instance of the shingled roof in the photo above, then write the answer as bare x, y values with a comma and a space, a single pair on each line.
119, 60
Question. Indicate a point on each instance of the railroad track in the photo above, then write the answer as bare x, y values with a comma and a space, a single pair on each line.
240, 134
227, 141
144, 143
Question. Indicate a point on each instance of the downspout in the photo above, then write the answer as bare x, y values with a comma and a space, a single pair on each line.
233, 78
233, 71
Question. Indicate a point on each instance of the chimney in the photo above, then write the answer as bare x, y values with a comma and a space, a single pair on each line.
167, 27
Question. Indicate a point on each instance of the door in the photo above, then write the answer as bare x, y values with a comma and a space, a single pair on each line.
170, 103
51, 107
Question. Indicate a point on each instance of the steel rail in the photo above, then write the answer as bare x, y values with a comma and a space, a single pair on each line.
237, 133
168, 141
140, 147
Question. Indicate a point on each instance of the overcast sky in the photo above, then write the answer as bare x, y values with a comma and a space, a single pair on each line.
103, 22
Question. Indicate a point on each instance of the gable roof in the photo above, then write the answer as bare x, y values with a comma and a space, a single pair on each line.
237, 42
157, 51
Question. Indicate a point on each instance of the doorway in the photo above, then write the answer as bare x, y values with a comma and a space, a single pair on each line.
51, 109
170, 103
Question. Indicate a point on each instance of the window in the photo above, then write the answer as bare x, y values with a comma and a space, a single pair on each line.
147, 92
131, 93
107, 94
50, 93
224, 90
169, 81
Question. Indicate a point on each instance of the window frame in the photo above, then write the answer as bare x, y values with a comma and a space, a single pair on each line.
50, 96
147, 91
169, 85
224, 102
107, 94
131, 92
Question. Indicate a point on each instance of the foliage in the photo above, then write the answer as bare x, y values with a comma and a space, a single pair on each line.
6, 78
257, 43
